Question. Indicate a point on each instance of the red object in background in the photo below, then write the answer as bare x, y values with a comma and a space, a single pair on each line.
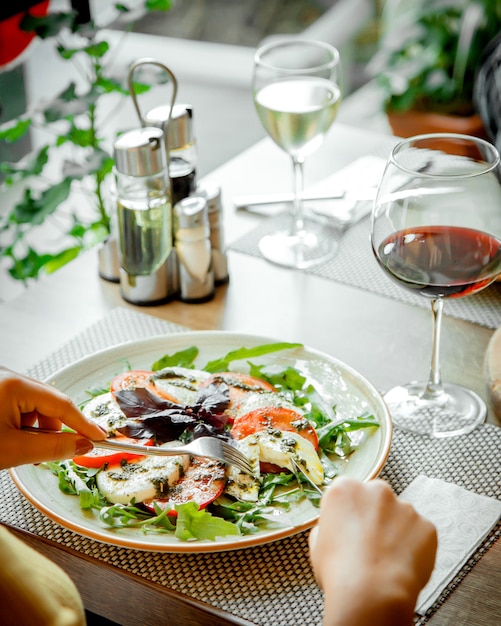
13, 40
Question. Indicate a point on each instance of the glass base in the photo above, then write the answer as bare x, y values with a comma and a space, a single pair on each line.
457, 411
314, 244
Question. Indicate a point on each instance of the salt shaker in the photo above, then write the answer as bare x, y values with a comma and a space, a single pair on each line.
180, 144
144, 217
193, 248
212, 195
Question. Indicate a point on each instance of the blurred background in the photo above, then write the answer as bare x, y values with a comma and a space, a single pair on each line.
208, 44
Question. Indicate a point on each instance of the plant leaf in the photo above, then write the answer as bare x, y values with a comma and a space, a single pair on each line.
60, 259
28, 266
14, 129
98, 161
67, 104
30, 167
49, 25
109, 85
158, 5
83, 137
35, 210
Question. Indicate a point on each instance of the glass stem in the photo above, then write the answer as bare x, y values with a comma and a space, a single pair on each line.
434, 388
297, 223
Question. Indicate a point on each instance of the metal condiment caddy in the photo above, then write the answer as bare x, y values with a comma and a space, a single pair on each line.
168, 227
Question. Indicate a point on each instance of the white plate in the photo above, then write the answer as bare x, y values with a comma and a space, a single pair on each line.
351, 393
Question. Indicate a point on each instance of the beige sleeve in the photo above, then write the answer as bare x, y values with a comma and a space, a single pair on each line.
33, 590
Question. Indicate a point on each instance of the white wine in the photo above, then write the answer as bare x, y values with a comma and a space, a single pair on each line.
145, 229
297, 112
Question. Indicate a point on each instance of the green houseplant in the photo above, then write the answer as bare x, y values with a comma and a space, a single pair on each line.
71, 169
428, 57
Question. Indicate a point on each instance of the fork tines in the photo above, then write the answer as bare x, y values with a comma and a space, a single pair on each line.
236, 457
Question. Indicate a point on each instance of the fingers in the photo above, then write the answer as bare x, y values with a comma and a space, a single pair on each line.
29, 447
23, 402
363, 524
23, 396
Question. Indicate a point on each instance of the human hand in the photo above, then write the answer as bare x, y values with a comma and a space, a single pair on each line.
24, 400
371, 554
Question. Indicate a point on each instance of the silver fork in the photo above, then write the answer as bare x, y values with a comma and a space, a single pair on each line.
204, 447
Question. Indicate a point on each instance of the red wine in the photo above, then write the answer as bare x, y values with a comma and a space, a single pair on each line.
441, 261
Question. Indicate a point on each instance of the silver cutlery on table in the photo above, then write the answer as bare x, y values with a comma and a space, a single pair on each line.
246, 202
343, 208
249, 202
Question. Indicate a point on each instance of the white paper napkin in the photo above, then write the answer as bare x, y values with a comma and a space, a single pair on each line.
462, 518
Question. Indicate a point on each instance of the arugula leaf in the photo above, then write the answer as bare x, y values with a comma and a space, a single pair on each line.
131, 516
335, 439
78, 481
183, 358
291, 382
222, 364
195, 523
289, 378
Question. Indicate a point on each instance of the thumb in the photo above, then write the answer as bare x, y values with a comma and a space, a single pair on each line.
29, 447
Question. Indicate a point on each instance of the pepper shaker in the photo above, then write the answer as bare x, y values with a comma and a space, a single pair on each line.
180, 145
212, 195
193, 248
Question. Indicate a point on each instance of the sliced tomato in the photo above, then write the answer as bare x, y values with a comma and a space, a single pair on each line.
239, 384
99, 457
280, 418
138, 378
203, 482
271, 468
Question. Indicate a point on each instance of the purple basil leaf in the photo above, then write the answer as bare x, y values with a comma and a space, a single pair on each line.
214, 398
203, 429
139, 401
158, 428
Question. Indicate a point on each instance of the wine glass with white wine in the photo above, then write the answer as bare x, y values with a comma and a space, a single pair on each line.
297, 96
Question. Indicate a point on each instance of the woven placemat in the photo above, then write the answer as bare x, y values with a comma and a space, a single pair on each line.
271, 584
355, 265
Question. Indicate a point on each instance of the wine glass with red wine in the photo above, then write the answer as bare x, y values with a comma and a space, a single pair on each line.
436, 231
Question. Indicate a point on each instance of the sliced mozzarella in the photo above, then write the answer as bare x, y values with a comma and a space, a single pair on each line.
142, 480
105, 412
241, 485
280, 446
180, 382
262, 399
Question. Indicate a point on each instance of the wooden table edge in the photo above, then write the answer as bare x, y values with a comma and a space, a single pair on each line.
124, 597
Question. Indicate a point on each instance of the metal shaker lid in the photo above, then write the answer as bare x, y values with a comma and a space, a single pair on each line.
140, 152
180, 126
191, 212
212, 194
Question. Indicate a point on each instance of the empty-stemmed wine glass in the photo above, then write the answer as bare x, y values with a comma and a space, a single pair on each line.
296, 94
436, 230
